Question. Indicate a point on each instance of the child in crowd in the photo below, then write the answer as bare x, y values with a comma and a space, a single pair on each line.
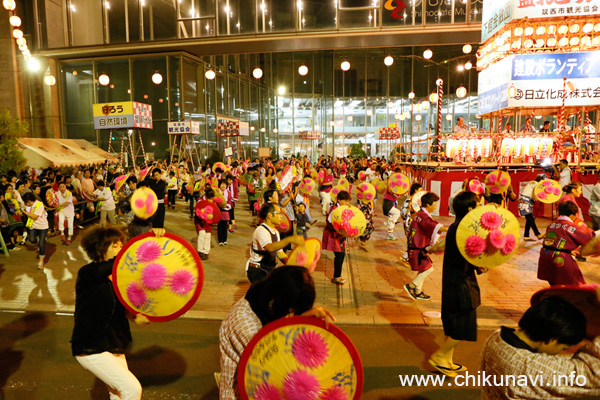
172, 189
233, 187
335, 242
302, 220
424, 232
390, 200
460, 293
107, 206
224, 222
66, 210
204, 226
37, 223
407, 214
531, 350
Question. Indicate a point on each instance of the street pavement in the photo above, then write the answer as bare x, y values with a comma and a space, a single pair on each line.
393, 333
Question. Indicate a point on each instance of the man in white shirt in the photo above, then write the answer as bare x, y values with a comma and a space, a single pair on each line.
66, 210
104, 194
565, 173
460, 126
266, 245
37, 224
508, 128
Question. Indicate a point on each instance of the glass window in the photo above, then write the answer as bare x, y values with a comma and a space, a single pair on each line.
190, 94
317, 15
133, 18
476, 10
160, 21
146, 91
86, 22
236, 17
118, 88
115, 13
81, 131
174, 89
78, 92
275, 15
222, 106
359, 18
445, 11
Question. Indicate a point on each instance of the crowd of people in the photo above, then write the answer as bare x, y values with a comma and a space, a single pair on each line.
37, 204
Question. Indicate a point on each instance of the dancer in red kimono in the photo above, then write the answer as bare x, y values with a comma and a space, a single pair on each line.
335, 242
424, 232
563, 238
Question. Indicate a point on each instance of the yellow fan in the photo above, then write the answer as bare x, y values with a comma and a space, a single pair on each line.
349, 221
144, 202
547, 191
306, 255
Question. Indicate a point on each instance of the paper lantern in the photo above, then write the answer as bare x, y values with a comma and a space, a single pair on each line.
474, 148
532, 147
486, 147
306, 255
398, 183
586, 298
307, 186
547, 191
497, 181
144, 203
451, 148
462, 148
365, 192
520, 144
208, 212
488, 236
545, 147
158, 277
507, 148
348, 221
299, 358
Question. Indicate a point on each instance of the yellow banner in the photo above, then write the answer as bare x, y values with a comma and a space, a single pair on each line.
113, 109
393, 125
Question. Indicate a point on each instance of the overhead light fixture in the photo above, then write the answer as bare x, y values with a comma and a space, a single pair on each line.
210, 74
257, 73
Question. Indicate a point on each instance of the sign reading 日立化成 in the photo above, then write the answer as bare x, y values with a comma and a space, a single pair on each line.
497, 13
538, 81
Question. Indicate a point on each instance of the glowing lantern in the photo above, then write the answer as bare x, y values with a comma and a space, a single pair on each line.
103, 80
210, 74
411, 95
574, 28
528, 43
50, 80
563, 29
9, 4
257, 73
540, 30
563, 42
157, 78
587, 28
17, 33
427, 54
468, 65
551, 42
574, 41
467, 48
518, 31
345, 65
388, 61
303, 70
461, 92
15, 21
529, 31
433, 97
551, 29
425, 105
512, 92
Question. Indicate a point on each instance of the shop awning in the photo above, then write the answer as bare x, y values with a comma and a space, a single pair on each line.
43, 153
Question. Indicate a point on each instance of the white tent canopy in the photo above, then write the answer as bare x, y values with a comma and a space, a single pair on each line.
43, 153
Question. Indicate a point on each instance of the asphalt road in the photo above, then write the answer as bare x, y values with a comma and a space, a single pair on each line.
177, 359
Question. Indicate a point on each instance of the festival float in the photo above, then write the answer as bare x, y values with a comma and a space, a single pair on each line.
538, 59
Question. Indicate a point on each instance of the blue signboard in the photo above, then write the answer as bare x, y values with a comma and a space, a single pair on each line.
556, 66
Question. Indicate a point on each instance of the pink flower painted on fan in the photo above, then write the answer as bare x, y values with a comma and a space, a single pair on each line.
136, 295
363, 186
491, 220
334, 393
310, 349
353, 232
497, 238
475, 245
301, 258
154, 276
504, 182
148, 251
392, 184
301, 385
494, 189
546, 183
557, 191
182, 281
148, 203
266, 391
509, 246
346, 225
492, 178
337, 226
347, 214
209, 209
369, 196
549, 189
202, 215
541, 195
218, 200
359, 195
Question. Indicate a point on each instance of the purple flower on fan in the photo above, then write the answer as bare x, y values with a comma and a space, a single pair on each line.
310, 349
266, 391
301, 385
148, 251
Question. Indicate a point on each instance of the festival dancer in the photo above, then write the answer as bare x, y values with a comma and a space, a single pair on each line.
424, 232
407, 213
390, 200
66, 210
366, 206
203, 226
335, 242
37, 224
556, 264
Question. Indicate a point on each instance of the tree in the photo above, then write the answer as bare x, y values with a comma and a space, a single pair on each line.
356, 150
11, 153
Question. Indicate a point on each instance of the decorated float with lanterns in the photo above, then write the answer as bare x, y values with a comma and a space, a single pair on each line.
539, 60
